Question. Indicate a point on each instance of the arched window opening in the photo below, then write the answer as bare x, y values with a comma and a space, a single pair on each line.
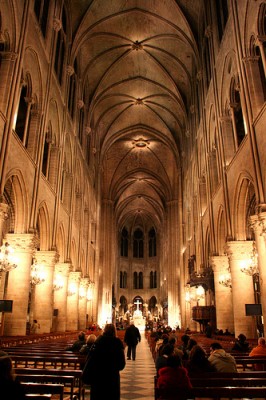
72, 91
41, 9
123, 280
22, 115
141, 280
222, 16
60, 48
153, 280
46, 154
152, 243
138, 244
135, 280
237, 115
124, 243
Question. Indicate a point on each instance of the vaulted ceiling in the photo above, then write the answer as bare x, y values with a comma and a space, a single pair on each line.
138, 60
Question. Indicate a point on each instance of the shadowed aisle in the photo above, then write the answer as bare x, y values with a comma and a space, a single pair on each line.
137, 379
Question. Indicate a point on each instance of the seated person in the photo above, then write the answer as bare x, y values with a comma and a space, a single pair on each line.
259, 351
161, 360
241, 343
76, 346
198, 362
10, 387
172, 378
220, 360
86, 347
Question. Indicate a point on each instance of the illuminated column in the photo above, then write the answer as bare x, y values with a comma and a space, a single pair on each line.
223, 294
90, 297
84, 283
60, 284
73, 301
43, 304
258, 224
239, 253
19, 283
3, 217
173, 268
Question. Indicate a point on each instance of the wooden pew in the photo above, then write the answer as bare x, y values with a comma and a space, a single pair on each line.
30, 396
35, 361
79, 389
214, 393
76, 373
44, 388
67, 381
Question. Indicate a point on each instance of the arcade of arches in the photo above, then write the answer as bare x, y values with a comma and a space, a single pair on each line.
132, 163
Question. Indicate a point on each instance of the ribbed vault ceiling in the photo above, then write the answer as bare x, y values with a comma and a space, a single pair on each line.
137, 59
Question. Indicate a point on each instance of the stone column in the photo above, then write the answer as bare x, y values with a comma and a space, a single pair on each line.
43, 304
258, 224
254, 81
18, 288
3, 216
223, 294
172, 267
72, 301
84, 283
239, 253
61, 275
7, 69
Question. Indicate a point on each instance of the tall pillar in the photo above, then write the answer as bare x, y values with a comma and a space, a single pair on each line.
240, 253
173, 267
43, 304
19, 283
83, 288
73, 301
223, 294
61, 275
3, 216
258, 224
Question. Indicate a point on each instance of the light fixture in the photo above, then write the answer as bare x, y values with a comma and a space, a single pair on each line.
250, 267
58, 282
7, 259
82, 292
200, 292
72, 289
225, 280
37, 275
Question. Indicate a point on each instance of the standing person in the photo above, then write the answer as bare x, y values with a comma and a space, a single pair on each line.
34, 326
10, 387
131, 338
107, 358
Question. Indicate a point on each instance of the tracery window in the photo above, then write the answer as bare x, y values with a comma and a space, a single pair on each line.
138, 244
152, 243
124, 243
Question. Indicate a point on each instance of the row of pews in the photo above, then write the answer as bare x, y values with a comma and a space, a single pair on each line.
47, 370
248, 383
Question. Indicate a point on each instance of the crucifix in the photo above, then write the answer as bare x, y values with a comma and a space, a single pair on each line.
138, 303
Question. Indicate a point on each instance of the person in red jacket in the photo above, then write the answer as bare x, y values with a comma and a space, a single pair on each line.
259, 351
172, 379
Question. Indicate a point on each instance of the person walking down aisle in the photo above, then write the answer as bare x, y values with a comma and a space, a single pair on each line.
108, 359
132, 338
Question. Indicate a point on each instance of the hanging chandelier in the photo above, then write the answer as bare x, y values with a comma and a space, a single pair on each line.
7, 259
37, 275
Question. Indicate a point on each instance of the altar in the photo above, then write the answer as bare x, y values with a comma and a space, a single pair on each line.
138, 319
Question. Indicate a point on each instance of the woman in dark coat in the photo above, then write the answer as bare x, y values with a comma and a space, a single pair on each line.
108, 359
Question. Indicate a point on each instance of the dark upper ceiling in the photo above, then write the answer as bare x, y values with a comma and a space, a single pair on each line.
138, 59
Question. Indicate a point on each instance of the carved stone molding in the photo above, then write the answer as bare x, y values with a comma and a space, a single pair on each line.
70, 70
22, 242
57, 24
239, 250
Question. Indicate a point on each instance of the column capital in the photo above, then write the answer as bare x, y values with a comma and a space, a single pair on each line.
22, 242
219, 263
75, 276
4, 208
63, 268
46, 257
239, 249
84, 282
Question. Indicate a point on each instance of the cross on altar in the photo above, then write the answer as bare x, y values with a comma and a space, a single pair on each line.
138, 303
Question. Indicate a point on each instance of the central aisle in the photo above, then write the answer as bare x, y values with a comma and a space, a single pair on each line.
137, 379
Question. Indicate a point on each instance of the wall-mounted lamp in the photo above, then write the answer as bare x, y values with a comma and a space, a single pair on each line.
7, 259
72, 289
225, 280
250, 267
58, 282
37, 274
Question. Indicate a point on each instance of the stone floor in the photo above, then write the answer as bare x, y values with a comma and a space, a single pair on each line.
137, 379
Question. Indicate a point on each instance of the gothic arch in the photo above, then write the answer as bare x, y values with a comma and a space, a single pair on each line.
43, 227
221, 232
15, 195
244, 206
60, 243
